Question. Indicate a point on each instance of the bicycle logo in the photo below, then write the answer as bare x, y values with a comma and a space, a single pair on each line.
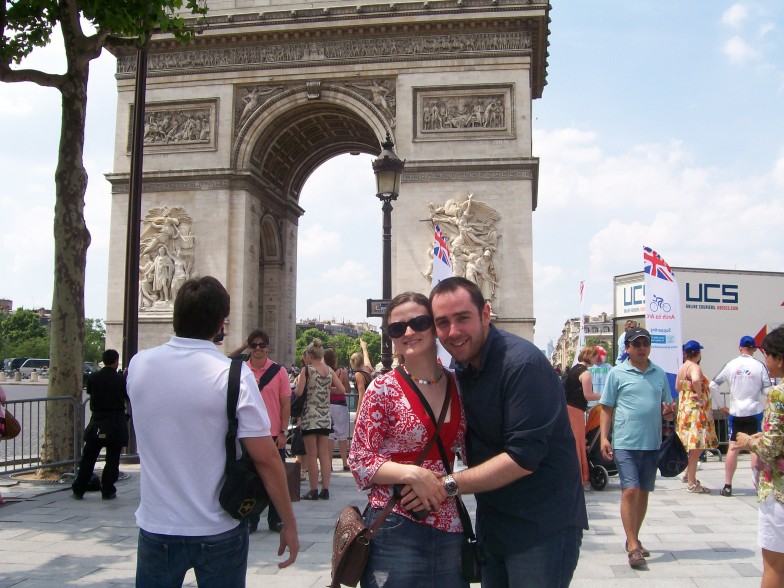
659, 304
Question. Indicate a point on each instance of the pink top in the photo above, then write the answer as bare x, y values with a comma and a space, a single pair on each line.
277, 391
392, 425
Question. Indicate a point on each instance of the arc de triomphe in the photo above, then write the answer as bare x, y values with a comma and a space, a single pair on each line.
237, 120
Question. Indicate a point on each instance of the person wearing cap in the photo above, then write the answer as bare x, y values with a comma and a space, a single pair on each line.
636, 395
749, 383
695, 413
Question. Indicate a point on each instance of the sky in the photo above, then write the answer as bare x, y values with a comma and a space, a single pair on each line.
662, 124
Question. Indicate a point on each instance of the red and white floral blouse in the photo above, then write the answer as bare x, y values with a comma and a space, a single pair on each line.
392, 425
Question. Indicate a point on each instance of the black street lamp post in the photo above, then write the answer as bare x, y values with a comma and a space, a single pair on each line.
388, 168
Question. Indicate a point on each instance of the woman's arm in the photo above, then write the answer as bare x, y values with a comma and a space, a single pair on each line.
587, 384
768, 445
301, 379
361, 387
365, 354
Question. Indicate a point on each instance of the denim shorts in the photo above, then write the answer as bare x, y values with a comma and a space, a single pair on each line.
407, 554
636, 468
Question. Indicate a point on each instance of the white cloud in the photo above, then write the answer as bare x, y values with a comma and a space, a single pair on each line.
735, 15
317, 240
738, 50
766, 28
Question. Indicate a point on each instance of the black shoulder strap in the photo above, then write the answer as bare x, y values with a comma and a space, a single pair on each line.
232, 396
271, 372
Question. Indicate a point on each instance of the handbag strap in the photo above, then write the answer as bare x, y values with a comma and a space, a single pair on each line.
418, 461
232, 396
465, 519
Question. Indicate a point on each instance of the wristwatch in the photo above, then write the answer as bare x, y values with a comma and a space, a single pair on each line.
450, 485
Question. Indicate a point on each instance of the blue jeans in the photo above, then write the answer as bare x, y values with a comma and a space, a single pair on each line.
220, 561
405, 554
549, 564
636, 468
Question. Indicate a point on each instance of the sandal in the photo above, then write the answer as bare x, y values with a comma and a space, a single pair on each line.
698, 489
636, 559
312, 495
645, 552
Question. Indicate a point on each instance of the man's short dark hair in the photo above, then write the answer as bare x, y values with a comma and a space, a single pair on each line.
455, 283
258, 334
201, 305
110, 357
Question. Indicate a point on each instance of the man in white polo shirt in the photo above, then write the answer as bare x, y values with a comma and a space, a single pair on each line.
178, 394
749, 383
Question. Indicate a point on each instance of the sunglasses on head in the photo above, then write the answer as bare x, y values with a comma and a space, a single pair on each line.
641, 342
419, 323
257, 345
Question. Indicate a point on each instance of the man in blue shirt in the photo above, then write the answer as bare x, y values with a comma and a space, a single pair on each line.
635, 397
520, 449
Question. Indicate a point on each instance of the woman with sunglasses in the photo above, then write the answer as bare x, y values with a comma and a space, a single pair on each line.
393, 428
316, 421
768, 446
695, 413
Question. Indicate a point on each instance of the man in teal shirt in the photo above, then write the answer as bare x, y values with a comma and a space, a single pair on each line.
634, 399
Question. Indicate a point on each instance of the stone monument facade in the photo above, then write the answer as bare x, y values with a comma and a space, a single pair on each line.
236, 121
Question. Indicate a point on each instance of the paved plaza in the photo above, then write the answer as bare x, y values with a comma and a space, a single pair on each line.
48, 539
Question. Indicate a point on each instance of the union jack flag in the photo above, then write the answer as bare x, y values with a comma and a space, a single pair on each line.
656, 266
440, 247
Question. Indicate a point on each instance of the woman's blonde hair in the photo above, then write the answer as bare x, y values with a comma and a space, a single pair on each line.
316, 349
356, 361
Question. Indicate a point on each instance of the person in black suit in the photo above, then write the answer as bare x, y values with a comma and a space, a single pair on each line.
108, 427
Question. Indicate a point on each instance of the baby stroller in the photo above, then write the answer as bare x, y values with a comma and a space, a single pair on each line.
600, 469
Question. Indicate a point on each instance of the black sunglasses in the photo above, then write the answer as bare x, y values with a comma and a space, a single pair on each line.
419, 323
641, 342
257, 345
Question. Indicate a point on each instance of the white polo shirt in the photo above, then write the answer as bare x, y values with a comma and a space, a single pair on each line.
178, 397
749, 382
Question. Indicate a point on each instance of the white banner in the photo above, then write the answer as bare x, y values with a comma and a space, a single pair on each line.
442, 269
663, 315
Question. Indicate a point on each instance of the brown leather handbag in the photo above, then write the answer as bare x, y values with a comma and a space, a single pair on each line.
351, 542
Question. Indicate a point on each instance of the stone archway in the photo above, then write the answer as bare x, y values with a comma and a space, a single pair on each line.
238, 120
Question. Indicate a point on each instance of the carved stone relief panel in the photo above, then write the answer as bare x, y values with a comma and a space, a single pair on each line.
165, 257
178, 126
277, 55
451, 113
469, 229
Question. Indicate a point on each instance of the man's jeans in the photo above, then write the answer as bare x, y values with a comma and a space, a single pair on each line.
549, 564
220, 561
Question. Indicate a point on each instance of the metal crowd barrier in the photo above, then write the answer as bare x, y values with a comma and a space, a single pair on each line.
25, 451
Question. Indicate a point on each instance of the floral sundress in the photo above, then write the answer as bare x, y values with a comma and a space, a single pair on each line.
695, 418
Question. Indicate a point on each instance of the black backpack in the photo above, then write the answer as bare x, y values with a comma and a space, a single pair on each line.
298, 402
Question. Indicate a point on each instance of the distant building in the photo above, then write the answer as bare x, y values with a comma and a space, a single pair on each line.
596, 327
6, 306
335, 328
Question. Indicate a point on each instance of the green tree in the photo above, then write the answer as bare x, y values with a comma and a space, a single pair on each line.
94, 340
21, 325
24, 27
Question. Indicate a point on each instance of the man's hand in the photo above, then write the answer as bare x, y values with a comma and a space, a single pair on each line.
288, 538
281, 441
668, 410
425, 491
607, 452
725, 410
